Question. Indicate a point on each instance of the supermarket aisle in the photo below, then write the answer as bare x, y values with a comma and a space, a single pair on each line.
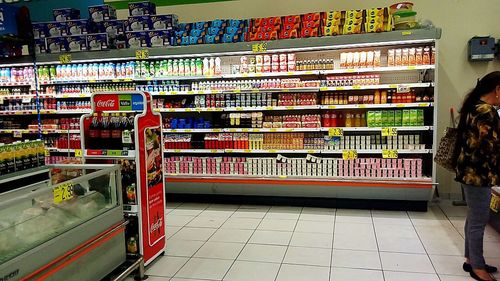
246, 243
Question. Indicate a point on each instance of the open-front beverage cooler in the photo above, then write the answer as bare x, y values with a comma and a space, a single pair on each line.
122, 128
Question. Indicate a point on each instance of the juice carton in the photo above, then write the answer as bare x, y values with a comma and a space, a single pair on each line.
413, 117
398, 118
406, 117
420, 117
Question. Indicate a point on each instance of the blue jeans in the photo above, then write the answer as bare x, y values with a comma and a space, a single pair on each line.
478, 213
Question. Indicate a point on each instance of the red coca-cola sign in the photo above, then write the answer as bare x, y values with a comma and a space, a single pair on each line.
106, 102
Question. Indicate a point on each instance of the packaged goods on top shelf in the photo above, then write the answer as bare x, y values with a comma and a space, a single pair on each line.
411, 56
20, 156
211, 32
372, 168
23, 75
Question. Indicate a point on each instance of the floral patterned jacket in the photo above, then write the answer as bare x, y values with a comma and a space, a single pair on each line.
477, 163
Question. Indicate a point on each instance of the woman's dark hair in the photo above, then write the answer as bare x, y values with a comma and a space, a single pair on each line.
484, 86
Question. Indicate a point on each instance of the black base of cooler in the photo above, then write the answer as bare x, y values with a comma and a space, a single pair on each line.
390, 205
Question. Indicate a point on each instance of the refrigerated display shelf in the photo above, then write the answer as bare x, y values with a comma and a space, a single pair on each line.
289, 130
298, 151
20, 97
297, 107
306, 180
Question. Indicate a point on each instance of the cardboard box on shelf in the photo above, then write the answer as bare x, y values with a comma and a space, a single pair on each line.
77, 27
77, 43
55, 45
141, 8
159, 38
97, 42
139, 23
101, 13
162, 22
56, 29
65, 14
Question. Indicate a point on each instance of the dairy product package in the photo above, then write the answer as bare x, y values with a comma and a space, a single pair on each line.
101, 13
97, 42
65, 14
77, 27
77, 43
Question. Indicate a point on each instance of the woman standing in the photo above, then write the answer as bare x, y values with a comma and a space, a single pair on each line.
478, 169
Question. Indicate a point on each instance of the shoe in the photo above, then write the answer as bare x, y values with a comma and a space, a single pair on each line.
490, 269
473, 275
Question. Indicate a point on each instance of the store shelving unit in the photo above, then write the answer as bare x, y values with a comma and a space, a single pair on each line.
414, 77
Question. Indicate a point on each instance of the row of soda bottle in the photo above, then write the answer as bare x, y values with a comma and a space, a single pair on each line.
131, 69
111, 131
17, 74
20, 156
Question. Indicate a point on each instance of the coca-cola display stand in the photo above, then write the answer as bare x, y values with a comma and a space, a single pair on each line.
123, 128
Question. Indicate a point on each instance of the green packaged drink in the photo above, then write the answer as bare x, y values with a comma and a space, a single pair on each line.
192, 65
40, 148
390, 120
398, 118
199, 67
420, 117
46, 72
170, 68
384, 118
370, 118
52, 71
3, 160
157, 69
378, 118
25, 155
413, 117
406, 117
137, 69
163, 68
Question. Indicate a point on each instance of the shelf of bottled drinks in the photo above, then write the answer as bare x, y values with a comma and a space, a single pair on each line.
361, 107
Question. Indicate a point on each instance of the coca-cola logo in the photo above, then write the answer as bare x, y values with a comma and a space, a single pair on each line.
155, 226
106, 103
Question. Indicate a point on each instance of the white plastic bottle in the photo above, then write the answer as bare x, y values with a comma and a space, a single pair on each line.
218, 67
206, 67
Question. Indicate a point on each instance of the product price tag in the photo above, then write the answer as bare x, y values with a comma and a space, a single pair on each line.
272, 151
18, 134
290, 107
142, 54
114, 153
115, 80
78, 153
323, 89
362, 106
177, 150
259, 47
268, 108
495, 203
237, 91
65, 58
213, 151
26, 100
400, 105
63, 192
273, 130
247, 151
232, 130
335, 132
47, 153
340, 88
239, 109
349, 154
423, 104
332, 107
173, 92
389, 132
403, 88
406, 33
356, 87
389, 154
190, 92
255, 90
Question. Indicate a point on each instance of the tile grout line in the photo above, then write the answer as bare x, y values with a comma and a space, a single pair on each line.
333, 243
378, 247
288, 246
423, 245
246, 243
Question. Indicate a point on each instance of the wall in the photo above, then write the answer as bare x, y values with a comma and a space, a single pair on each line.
459, 19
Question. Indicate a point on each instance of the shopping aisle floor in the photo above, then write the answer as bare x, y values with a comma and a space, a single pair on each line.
264, 243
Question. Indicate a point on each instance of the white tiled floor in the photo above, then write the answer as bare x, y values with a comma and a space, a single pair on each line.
274, 243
